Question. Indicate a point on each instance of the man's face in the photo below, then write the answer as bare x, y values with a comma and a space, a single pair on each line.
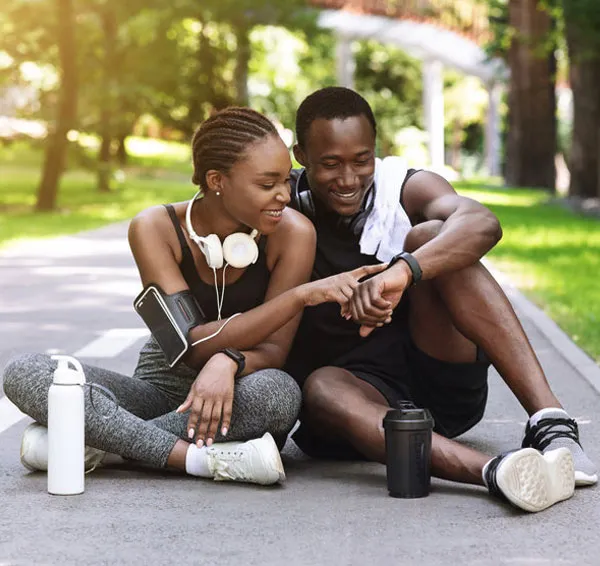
339, 158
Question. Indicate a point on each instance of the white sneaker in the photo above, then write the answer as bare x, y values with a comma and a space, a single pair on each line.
253, 461
531, 480
34, 450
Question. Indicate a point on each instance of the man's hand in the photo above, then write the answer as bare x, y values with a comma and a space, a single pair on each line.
210, 400
374, 300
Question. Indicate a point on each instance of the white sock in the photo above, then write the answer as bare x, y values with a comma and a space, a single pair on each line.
196, 462
556, 411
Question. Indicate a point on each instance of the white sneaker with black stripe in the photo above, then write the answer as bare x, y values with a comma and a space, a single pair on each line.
531, 480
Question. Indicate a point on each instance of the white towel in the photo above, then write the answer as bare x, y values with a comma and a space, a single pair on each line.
387, 224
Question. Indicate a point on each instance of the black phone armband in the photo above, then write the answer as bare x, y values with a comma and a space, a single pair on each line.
169, 318
185, 310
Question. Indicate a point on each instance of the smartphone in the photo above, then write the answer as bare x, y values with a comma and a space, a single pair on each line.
154, 312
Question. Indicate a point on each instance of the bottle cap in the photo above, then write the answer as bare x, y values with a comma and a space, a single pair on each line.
408, 419
64, 375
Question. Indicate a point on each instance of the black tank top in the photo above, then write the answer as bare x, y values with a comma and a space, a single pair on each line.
324, 337
240, 296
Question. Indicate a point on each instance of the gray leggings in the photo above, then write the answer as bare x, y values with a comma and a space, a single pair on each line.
145, 426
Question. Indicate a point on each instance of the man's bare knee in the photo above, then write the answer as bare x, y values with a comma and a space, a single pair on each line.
320, 386
422, 233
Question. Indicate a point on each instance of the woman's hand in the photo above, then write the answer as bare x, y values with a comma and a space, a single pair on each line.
210, 400
338, 288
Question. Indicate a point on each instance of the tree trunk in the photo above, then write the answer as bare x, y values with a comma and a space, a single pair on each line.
242, 33
109, 27
584, 75
57, 143
121, 154
531, 140
104, 164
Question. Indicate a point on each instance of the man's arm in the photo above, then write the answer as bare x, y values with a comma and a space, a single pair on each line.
468, 232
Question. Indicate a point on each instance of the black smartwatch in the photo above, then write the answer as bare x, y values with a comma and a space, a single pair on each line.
237, 357
415, 268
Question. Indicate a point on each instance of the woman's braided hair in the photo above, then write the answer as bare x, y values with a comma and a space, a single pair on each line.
223, 139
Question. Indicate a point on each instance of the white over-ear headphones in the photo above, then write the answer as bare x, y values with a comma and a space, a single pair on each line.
238, 250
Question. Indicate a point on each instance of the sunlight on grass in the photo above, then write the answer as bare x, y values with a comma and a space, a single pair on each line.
553, 256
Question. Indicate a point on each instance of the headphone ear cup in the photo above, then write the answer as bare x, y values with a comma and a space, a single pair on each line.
240, 250
211, 248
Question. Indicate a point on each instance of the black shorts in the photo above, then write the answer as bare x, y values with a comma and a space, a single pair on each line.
455, 393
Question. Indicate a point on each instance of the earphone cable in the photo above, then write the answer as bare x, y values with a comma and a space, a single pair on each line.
217, 293
217, 332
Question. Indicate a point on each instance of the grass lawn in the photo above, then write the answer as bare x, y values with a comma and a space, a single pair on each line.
159, 172
552, 255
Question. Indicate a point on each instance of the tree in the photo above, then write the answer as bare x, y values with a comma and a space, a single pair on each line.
392, 82
531, 141
57, 143
582, 20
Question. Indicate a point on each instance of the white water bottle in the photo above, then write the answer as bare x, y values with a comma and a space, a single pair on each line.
66, 428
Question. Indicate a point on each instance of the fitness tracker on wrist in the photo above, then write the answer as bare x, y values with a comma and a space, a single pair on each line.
413, 264
237, 357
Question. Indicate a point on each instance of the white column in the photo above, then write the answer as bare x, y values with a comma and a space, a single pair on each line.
345, 61
433, 102
492, 130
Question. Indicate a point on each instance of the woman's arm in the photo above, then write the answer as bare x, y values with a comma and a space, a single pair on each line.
157, 253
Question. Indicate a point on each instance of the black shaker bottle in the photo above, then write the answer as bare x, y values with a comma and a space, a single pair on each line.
408, 451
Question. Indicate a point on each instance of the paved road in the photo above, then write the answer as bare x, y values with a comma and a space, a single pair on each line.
70, 295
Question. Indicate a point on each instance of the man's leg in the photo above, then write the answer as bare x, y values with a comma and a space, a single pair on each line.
453, 313
339, 405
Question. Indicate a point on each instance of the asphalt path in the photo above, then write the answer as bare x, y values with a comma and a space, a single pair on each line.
74, 295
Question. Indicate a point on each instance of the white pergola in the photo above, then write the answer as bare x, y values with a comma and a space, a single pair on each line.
436, 47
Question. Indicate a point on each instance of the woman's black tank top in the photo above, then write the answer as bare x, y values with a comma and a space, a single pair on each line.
241, 296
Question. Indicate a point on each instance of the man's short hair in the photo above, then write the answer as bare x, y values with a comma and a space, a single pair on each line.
330, 103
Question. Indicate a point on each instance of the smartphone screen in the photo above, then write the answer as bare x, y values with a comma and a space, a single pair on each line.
155, 314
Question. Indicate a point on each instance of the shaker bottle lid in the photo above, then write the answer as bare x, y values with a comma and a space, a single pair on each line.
408, 419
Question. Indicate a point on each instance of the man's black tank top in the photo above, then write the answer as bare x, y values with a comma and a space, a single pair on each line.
242, 295
324, 337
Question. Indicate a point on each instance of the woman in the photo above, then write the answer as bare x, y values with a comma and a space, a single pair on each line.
242, 168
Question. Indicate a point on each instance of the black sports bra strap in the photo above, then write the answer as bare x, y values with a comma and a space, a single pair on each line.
177, 226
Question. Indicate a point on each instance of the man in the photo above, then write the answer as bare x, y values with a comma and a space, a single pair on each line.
434, 346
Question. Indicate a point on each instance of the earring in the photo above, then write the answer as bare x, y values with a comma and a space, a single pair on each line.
218, 193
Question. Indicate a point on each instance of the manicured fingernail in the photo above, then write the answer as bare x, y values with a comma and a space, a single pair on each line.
191, 433
200, 443
209, 442
224, 431
178, 409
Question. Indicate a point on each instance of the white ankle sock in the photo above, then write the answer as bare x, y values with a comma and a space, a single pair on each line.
196, 462
556, 411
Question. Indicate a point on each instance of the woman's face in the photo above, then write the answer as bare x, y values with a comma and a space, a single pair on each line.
256, 189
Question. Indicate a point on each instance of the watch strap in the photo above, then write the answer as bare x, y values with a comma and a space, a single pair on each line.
237, 357
412, 263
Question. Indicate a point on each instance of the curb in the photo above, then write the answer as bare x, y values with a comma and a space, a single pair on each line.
575, 356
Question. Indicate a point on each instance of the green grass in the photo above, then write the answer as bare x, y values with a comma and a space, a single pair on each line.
553, 256
159, 173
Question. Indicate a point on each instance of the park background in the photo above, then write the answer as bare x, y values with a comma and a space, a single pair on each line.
99, 99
